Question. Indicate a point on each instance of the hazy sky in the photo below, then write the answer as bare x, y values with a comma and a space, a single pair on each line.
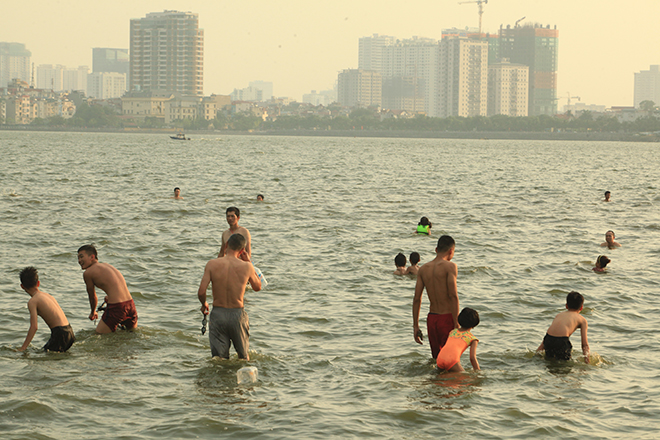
301, 45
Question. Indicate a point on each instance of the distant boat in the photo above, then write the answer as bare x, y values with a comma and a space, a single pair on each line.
180, 137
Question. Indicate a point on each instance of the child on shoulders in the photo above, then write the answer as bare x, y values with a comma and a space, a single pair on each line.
458, 341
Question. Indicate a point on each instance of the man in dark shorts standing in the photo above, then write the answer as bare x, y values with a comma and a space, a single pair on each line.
439, 278
44, 305
228, 277
120, 306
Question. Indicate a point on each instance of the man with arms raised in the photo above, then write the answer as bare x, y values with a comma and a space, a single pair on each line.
120, 306
228, 276
439, 278
233, 215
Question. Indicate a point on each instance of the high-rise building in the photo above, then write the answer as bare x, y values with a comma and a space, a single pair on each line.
534, 46
266, 88
359, 88
58, 77
463, 85
508, 85
106, 85
647, 86
105, 59
167, 53
14, 63
370, 53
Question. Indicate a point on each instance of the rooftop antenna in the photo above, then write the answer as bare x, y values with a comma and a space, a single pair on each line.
480, 4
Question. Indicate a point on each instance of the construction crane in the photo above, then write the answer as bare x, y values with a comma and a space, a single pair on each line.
481, 4
571, 97
518, 21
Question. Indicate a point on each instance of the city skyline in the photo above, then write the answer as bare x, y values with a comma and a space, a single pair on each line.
301, 46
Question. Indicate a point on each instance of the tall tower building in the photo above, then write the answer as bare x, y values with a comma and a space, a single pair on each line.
357, 87
534, 46
167, 53
14, 63
105, 59
463, 84
647, 85
370, 53
508, 85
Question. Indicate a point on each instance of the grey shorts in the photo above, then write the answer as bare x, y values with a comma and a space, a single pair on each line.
227, 326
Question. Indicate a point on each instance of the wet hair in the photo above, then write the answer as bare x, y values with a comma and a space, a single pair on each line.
235, 210
89, 249
400, 260
468, 318
425, 221
607, 192
445, 243
177, 188
414, 258
29, 277
613, 234
260, 195
574, 300
602, 261
236, 242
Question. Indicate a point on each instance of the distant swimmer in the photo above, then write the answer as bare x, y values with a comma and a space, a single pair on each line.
424, 226
438, 277
556, 342
400, 263
120, 309
228, 276
177, 193
458, 341
260, 197
414, 268
233, 216
601, 262
609, 240
44, 305
607, 196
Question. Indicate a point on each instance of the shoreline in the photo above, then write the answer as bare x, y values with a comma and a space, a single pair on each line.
481, 135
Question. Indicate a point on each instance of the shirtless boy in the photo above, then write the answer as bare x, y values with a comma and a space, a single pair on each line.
177, 194
609, 241
414, 268
228, 277
233, 215
400, 263
438, 276
44, 305
120, 306
556, 342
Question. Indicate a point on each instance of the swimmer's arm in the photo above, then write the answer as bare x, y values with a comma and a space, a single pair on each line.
201, 292
452, 293
416, 306
585, 342
34, 325
248, 244
473, 355
223, 248
541, 347
91, 293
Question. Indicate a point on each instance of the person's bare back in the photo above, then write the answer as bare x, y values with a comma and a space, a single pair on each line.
565, 324
48, 308
110, 280
229, 276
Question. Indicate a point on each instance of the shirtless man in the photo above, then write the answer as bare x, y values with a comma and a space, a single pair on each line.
438, 276
44, 305
120, 306
228, 276
233, 215
609, 241
607, 196
177, 194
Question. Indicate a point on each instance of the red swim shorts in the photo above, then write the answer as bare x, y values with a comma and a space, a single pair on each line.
122, 313
438, 328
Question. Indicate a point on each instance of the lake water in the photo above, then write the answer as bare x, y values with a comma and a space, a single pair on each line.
331, 335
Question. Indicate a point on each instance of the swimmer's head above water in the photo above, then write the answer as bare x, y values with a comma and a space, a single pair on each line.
400, 260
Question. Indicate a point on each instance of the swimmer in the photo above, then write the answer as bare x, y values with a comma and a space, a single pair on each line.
458, 341
44, 305
556, 342
601, 262
228, 276
609, 240
414, 268
177, 194
607, 196
400, 263
424, 226
233, 215
260, 197
438, 277
120, 310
